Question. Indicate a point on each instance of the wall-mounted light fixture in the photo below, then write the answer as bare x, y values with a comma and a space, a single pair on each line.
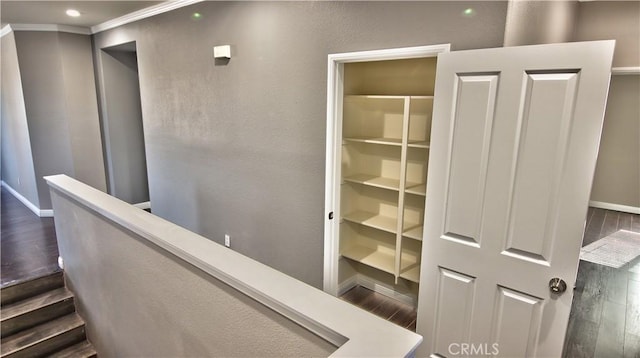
222, 52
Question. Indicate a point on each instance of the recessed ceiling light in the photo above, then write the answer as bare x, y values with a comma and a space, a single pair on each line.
73, 13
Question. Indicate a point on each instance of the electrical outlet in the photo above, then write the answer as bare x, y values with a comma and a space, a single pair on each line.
227, 240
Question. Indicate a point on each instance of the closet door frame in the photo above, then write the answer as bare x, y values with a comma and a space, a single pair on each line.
335, 84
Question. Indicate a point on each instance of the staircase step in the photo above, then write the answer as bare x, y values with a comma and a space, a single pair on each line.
21, 290
35, 310
83, 349
44, 339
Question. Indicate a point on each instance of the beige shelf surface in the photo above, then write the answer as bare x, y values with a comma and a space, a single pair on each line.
375, 221
373, 140
376, 181
410, 266
417, 189
372, 96
419, 144
370, 257
412, 273
414, 233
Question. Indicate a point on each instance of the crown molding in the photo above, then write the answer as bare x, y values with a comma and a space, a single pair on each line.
625, 71
142, 14
46, 27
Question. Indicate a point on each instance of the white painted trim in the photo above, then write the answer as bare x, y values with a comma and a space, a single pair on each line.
625, 71
142, 14
5, 30
46, 213
143, 205
348, 284
375, 286
616, 207
355, 332
334, 142
51, 27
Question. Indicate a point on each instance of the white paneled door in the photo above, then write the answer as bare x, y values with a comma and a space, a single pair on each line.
513, 150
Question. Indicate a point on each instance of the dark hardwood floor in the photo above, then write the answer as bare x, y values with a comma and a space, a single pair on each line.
397, 312
605, 315
604, 321
28, 246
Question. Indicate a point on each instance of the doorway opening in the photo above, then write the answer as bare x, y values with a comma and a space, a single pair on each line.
122, 125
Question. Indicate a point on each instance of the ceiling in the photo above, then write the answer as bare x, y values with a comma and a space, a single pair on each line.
53, 12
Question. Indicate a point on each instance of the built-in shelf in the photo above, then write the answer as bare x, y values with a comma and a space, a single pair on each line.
375, 181
375, 221
374, 96
417, 189
372, 140
419, 144
414, 233
412, 273
384, 148
371, 257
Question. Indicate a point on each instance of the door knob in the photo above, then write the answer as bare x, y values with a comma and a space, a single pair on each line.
557, 285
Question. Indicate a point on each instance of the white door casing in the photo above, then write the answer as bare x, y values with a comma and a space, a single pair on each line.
514, 143
335, 79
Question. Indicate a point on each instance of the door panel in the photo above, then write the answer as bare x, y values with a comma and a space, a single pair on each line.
455, 302
548, 103
513, 307
474, 95
514, 143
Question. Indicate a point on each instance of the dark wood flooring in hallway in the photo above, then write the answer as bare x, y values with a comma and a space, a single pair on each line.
605, 316
28, 244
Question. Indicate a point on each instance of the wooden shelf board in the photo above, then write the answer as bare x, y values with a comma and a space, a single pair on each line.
412, 273
376, 181
417, 189
374, 96
375, 221
370, 257
419, 144
414, 233
372, 140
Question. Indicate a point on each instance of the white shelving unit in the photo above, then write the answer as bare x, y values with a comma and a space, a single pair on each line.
380, 131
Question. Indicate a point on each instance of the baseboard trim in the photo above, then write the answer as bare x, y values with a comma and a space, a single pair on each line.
375, 286
347, 285
616, 207
46, 213
143, 205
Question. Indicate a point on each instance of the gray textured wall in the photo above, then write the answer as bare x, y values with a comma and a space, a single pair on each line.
61, 107
617, 177
122, 125
606, 20
43, 85
82, 109
132, 296
240, 148
17, 163
531, 22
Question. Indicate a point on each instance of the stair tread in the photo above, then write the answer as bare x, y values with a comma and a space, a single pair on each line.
42, 332
31, 304
83, 349
24, 289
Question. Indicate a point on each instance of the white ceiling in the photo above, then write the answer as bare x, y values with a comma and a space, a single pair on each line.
53, 12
